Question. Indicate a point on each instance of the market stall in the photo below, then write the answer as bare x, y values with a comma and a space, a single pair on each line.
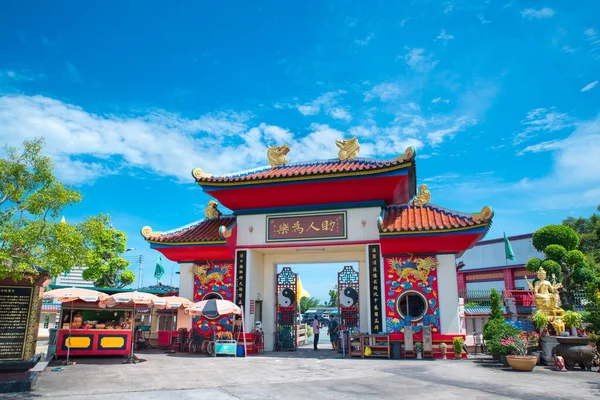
93, 331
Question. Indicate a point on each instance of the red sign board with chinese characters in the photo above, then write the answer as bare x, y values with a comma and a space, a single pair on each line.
251, 307
308, 226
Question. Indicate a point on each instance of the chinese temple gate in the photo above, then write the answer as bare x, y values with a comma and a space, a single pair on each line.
347, 209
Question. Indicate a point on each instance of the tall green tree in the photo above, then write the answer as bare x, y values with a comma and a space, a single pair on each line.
589, 235
307, 303
333, 297
32, 200
559, 244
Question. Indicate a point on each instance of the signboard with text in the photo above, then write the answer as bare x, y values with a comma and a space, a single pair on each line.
15, 306
307, 226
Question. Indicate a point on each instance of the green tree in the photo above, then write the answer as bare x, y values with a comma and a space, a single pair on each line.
589, 235
307, 303
333, 297
559, 244
31, 234
496, 312
104, 264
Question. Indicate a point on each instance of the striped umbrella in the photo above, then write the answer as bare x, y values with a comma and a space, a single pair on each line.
213, 308
134, 298
70, 295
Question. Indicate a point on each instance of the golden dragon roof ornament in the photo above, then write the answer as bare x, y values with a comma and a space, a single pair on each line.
277, 155
423, 197
212, 212
348, 148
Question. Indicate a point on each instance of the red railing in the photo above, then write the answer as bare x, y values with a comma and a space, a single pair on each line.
522, 297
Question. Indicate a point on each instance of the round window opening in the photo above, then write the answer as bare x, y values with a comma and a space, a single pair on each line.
413, 304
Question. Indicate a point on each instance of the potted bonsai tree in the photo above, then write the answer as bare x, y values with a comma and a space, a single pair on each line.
443, 350
457, 345
519, 360
572, 320
419, 350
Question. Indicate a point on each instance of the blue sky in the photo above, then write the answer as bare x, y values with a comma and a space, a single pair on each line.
500, 98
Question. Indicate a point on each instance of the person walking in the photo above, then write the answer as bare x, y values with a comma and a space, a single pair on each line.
333, 332
315, 326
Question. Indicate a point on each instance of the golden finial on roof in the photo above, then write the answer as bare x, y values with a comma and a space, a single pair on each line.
198, 174
212, 212
277, 155
485, 214
408, 155
348, 148
63, 220
423, 197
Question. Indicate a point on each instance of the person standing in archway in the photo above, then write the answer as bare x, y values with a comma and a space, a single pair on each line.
315, 326
333, 332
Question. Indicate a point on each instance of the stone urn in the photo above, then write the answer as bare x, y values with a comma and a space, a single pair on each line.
522, 363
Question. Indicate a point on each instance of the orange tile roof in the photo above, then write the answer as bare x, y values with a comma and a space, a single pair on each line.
308, 170
429, 217
206, 230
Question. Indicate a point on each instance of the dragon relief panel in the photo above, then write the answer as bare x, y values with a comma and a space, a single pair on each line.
411, 274
213, 280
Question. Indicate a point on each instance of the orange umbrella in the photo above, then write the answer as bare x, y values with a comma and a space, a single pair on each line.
69, 295
136, 298
72, 294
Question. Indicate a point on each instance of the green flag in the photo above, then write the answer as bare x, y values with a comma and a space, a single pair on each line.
159, 271
508, 249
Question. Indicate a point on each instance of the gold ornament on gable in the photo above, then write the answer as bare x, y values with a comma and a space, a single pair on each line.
348, 148
277, 155
212, 211
423, 197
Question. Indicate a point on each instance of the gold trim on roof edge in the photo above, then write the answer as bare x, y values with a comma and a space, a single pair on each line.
197, 173
485, 214
147, 232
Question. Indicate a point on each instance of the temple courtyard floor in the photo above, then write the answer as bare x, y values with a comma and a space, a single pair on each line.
304, 374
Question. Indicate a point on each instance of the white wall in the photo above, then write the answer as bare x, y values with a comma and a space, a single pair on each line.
493, 255
186, 289
256, 284
448, 294
521, 283
355, 230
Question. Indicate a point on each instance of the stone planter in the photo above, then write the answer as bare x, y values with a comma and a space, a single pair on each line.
548, 343
522, 363
504, 361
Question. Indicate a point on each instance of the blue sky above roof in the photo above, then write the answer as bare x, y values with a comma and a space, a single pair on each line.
500, 98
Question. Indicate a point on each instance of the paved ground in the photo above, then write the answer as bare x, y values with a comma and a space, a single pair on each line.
305, 374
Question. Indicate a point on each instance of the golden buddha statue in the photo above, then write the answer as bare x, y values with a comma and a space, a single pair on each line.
547, 299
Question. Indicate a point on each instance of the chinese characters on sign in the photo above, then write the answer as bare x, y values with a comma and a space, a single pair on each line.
314, 226
240, 278
375, 286
15, 304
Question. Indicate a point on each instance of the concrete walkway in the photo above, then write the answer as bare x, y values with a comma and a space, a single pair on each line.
276, 376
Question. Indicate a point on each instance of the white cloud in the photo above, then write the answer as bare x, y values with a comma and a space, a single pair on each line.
384, 91
326, 103
589, 86
449, 7
72, 73
568, 49
542, 120
444, 36
438, 136
538, 14
19, 76
439, 100
419, 60
591, 36
365, 41
483, 20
